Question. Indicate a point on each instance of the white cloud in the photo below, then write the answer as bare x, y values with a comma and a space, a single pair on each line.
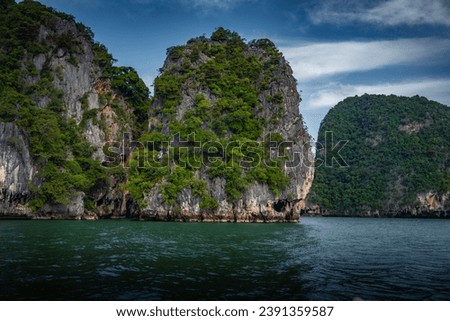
327, 59
409, 12
390, 13
434, 89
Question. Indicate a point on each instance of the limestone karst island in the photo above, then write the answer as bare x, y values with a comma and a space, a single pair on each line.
221, 139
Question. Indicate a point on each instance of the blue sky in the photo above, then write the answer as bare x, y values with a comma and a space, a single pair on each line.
337, 48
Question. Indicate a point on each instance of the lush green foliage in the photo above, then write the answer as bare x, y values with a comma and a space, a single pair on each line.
397, 147
57, 145
235, 74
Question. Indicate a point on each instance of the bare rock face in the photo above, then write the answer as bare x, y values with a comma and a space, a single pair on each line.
75, 75
431, 204
277, 109
73, 210
16, 171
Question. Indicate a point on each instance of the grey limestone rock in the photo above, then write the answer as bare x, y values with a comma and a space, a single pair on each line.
16, 171
258, 203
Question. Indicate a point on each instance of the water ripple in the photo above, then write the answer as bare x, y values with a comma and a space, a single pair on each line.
319, 259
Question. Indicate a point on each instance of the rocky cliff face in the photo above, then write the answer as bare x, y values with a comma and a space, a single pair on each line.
426, 205
16, 171
223, 91
61, 108
76, 74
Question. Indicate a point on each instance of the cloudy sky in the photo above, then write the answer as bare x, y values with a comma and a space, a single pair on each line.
337, 48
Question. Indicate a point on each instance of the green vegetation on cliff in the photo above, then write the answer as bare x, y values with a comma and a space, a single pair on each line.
29, 97
397, 148
224, 77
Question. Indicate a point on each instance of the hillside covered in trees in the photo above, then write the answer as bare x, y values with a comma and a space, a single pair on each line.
397, 158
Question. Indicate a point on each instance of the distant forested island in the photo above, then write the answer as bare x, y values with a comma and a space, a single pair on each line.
397, 159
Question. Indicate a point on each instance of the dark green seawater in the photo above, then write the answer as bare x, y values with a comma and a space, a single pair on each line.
317, 259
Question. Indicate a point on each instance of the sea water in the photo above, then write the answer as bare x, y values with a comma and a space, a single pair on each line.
316, 259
